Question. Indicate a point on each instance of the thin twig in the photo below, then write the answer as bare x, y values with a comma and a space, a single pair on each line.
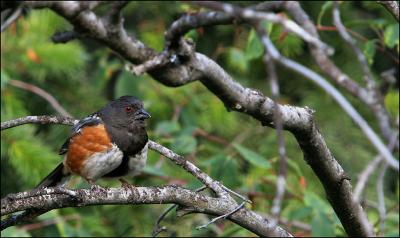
291, 223
251, 15
281, 180
236, 194
221, 217
349, 40
362, 38
17, 12
369, 169
381, 199
49, 222
210, 137
40, 92
338, 97
188, 166
364, 176
329, 67
157, 229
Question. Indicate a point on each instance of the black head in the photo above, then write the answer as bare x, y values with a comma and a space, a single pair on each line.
125, 112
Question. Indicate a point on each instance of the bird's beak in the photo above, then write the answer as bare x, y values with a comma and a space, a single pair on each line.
141, 115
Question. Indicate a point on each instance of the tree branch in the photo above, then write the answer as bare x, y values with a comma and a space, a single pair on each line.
12, 18
368, 78
336, 74
249, 14
282, 170
348, 108
369, 169
199, 67
381, 199
38, 120
45, 95
392, 7
51, 198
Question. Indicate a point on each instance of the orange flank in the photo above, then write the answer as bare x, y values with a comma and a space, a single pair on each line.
88, 141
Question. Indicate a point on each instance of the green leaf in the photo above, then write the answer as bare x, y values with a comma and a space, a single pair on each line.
15, 232
324, 7
392, 102
167, 127
267, 25
301, 213
184, 144
237, 60
225, 169
254, 47
252, 157
321, 226
315, 202
391, 35
192, 34
153, 171
369, 51
293, 165
4, 79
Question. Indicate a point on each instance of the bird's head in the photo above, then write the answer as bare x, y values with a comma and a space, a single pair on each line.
125, 112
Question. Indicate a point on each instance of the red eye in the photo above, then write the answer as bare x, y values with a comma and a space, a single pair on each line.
128, 109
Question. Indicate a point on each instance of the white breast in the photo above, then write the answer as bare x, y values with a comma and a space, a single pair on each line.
137, 162
100, 164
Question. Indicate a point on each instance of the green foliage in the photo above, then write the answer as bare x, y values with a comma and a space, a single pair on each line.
231, 147
392, 103
254, 47
326, 6
369, 51
391, 35
237, 60
252, 157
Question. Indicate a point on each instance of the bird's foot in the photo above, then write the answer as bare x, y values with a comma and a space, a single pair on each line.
96, 188
125, 184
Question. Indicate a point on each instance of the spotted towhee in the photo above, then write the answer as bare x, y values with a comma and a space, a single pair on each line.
111, 142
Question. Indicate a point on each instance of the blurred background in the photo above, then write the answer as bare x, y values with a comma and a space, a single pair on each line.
233, 148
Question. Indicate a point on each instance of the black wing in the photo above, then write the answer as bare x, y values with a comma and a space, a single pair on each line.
90, 120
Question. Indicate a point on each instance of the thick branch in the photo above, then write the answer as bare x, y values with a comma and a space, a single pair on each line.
52, 199
38, 120
392, 7
177, 159
169, 194
199, 67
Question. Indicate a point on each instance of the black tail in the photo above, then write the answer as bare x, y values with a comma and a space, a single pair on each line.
56, 178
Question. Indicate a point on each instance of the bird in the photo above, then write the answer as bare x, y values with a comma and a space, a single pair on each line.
110, 143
